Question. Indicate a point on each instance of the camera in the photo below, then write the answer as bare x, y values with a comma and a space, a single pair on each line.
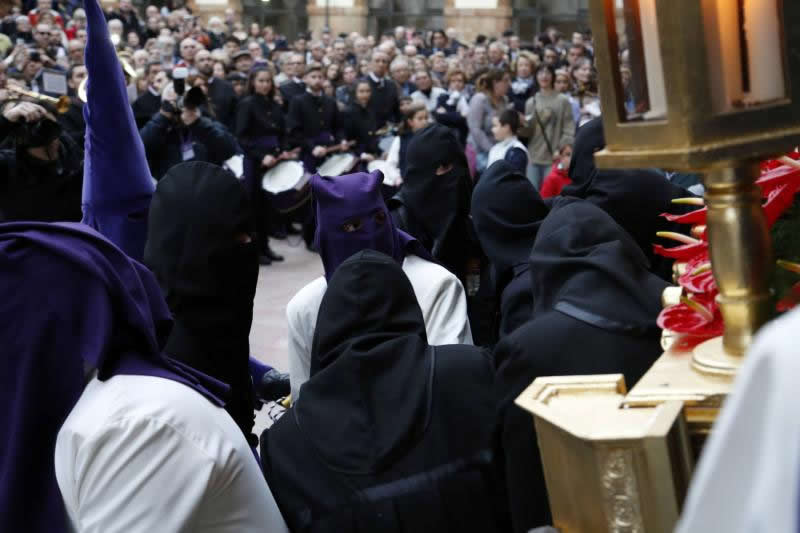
191, 99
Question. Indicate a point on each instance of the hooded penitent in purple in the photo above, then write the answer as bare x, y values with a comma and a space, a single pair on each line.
352, 216
116, 179
71, 302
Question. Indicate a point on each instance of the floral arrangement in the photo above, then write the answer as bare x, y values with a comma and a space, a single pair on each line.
697, 316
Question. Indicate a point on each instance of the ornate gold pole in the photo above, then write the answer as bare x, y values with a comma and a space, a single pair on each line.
741, 257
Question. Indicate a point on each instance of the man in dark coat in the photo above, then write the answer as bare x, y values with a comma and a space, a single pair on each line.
149, 102
294, 68
385, 101
220, 92
390, 434
595, 304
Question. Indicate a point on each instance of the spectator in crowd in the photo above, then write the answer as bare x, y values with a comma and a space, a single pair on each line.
488, 102
401, 74
149, 102
426, 93
384, 91
523, 85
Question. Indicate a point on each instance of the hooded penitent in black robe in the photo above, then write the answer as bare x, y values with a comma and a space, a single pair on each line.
594, 312
390, 434
435, 210
635, 199
197, 217
507, 212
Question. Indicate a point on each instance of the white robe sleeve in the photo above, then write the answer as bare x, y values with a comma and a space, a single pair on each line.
444, 308
301, 317
747, 477
136, 475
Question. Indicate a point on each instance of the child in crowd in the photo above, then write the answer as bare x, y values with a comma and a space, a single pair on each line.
508, 146
559, 174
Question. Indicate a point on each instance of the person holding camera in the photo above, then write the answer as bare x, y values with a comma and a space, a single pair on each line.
41, 173
180, 133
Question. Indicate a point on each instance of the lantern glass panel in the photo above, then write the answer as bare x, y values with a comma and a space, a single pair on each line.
745, 46
639, 58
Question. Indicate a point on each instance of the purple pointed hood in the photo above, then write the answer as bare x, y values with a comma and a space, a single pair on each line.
352, 216
71, 302
117, 187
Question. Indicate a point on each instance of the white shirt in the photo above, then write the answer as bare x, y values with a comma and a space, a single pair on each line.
500, 149
431, 101
147, 454
748, 477
439, 294
393, 178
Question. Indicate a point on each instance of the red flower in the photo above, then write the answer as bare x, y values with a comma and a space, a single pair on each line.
697, 316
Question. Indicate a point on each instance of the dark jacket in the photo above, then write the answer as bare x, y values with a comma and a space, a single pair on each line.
73, 123
595, 305
360, 125
163, 142
258, 117
223, 99
389, 434
313, 121
289, 90
144, 107
384, 102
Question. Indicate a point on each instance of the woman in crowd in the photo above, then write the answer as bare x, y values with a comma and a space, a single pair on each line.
585, 91
415, 117
577, 246
439, 68
549, 125
360, 124
261, 130
523, 86
390, 433
563, 85
344, 92
333, 74
452, 108
484, 106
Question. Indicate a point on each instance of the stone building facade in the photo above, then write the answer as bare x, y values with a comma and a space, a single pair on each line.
469, 17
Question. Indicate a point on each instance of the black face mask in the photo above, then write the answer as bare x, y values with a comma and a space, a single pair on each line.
37, 134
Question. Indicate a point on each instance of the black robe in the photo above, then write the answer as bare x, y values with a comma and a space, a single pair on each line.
595, 309
207, 276
507, 212
73, 123
223, 99
289, 90
312, 121
360, 125
435, 209
635, 199
390, 434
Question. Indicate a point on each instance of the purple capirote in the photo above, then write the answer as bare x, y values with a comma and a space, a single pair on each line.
355, 201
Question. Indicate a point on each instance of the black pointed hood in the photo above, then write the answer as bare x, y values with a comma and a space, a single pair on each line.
507, 212
586, 266
369, 395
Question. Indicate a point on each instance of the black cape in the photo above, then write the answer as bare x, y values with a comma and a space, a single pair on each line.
635, 199
507, 212
208, 277
595, 309
390, 434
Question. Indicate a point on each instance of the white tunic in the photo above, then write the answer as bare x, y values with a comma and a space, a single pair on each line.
748, 477
439, 294
431, 101
147, 454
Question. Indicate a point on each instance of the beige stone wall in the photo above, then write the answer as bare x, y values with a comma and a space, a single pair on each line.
469, 22
342, 19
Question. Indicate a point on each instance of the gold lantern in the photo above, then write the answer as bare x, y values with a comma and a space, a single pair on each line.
710, 91
710, 86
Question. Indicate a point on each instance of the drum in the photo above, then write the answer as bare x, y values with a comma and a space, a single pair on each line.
391, 174
288, 182
337, 164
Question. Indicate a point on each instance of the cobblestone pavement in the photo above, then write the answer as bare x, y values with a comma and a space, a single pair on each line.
277, 284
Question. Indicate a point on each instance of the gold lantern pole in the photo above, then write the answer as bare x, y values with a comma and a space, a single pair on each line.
716, 100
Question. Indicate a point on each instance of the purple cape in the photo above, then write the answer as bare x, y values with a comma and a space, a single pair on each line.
117, 187
352, 217
71, 302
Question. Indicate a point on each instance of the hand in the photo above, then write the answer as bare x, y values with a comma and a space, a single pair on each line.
268, 161
367, 157
318, 151
189, 116
26, 112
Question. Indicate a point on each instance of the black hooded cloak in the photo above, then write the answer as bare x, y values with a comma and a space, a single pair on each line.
208, 276
635, 199
390, 434
435, 210
594, 312
507, 212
